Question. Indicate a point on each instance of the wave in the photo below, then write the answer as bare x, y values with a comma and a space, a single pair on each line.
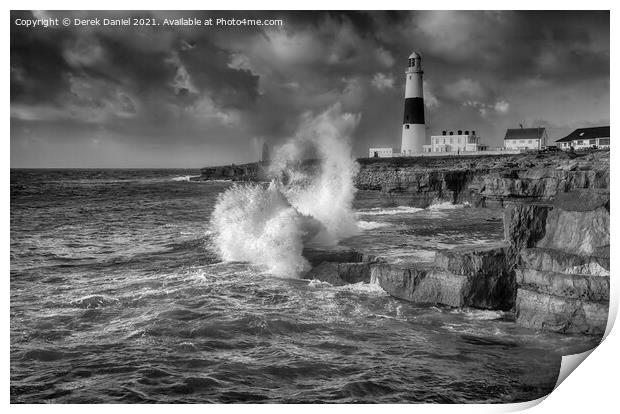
373, 289
479, 314
371, 225
386, 211
184, 178
94, 301
447, 205
370, 289
259, 225
316, 283
381, 211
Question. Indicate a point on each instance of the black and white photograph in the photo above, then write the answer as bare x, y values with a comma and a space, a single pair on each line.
306, 206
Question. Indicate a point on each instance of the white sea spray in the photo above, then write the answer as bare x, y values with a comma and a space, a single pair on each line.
302, 206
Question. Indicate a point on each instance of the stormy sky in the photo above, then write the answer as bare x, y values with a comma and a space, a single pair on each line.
196, 96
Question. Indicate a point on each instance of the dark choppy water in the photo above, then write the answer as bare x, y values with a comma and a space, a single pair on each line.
116, 296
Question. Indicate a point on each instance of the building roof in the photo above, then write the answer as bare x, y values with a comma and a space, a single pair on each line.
586, 133
524, 133
415, 55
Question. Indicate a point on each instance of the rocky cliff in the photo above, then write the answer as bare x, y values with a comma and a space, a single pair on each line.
562, 270
256, 171
483, 180
251, 172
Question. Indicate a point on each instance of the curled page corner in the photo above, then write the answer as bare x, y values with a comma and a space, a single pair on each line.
568, 365
520, 406
571, 362
613, 309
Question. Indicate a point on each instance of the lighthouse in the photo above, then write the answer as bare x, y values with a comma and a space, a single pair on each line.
414, 130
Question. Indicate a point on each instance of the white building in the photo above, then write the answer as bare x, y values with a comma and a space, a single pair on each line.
382, 153
585, 138
450, 142
525, 138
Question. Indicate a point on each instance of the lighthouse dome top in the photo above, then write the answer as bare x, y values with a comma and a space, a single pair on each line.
415, 55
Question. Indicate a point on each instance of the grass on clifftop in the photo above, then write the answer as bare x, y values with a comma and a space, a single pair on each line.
469, 161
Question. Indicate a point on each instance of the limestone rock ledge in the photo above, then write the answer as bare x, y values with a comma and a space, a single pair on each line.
560, 314
421, 285
339, 267
562, 292
339, 274
480, 277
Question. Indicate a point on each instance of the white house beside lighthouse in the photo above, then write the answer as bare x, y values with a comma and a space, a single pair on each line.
414, 128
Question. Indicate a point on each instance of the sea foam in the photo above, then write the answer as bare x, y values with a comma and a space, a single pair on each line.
447, 205
382, 211
184, 178
371, 225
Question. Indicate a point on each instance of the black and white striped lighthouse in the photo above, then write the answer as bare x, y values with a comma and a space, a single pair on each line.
414, 130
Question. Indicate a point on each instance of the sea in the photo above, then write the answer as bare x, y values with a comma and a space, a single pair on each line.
118, 294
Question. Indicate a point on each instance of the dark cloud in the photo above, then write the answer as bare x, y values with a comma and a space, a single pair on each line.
190, 96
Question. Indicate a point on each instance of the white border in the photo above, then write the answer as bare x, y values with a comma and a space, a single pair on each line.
593, 386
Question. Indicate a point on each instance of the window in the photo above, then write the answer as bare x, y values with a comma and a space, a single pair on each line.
521, 141
592, 142
451, 141
406, 126
603, 141
580, 142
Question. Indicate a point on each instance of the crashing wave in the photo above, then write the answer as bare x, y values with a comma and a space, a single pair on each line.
270, 226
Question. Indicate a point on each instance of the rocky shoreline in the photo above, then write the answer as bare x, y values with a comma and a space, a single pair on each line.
552, 268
